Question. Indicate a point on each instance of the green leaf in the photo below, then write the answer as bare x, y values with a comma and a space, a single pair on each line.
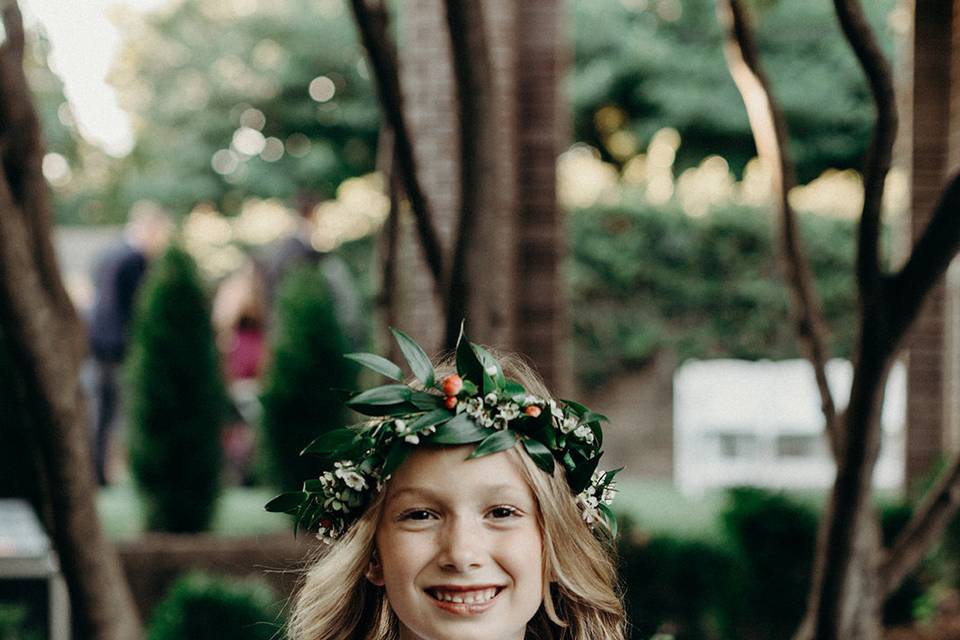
468, 365
419, 362
286, 502
385, 395
493, 373
430, 419
398, 409
514, 390
579, 477
426, 401
377, 363
499, 441
610, 517
539, 453
330, 442
399, 451
461, 429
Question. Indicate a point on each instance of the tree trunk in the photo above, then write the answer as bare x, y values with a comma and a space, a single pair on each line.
42, 332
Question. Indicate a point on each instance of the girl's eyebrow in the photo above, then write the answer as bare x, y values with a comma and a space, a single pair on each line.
429, 493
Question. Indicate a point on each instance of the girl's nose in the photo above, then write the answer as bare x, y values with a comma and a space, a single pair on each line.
461, 546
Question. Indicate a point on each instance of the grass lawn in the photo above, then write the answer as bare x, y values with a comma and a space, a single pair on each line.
655, 505
240, 512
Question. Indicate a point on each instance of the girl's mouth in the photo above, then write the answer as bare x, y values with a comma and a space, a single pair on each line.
464, 602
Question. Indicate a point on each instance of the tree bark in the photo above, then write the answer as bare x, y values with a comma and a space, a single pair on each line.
372, 25
43, 333
473, 81
770, 135
852, 574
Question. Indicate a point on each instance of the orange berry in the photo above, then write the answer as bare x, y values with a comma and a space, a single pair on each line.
533, 411
450, 402
452, 385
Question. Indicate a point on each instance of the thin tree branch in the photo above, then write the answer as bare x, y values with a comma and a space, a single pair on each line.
924, 529
770, 134
929, 259
877, 164
844, 520
471, 70
373, 34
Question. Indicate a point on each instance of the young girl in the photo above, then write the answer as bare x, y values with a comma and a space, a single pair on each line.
468, 508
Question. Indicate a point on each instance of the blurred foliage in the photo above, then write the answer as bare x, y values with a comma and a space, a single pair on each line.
203, 607
177, 398
750, 583
641, 65
210, 79
15, 623
306, 382
774, 537
649, 278
277, 96
673, 586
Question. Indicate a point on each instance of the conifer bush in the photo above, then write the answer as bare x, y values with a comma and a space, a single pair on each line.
176, 398
305, 385
203, 607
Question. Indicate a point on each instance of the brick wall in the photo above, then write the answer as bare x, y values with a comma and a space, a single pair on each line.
517, 249
935, 109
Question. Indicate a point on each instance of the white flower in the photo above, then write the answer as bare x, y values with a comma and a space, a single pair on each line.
400, 425
490, 398
412, 439
531, 399
509, 411
474, 407
584, 433
500, 423
486, 420
568, 424
346, 471
491, 370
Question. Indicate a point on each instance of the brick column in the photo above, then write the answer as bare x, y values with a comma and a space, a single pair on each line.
518, 292
932, 154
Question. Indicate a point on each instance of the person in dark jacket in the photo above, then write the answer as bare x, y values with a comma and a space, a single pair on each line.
117, 275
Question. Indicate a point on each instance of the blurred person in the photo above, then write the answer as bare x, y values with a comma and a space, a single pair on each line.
117, 275
239, 318
298, 249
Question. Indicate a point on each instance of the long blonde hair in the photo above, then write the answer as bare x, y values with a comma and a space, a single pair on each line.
581, 592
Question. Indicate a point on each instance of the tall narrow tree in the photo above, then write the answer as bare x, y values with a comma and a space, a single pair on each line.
853, 574
42, 335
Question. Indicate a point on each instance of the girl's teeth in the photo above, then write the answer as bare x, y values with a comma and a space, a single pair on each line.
466, 597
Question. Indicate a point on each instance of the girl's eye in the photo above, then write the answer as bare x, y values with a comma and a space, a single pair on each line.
416, 514
504, 512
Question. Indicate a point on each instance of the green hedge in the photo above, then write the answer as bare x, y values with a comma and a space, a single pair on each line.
203, 607
304, 388
177, 399
648, 278
752, 583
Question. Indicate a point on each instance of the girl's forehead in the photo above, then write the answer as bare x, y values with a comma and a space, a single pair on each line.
450, 468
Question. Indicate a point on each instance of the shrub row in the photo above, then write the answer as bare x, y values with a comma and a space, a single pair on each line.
750, 585
648, 278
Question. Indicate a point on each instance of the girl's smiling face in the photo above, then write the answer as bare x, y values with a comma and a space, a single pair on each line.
460, 548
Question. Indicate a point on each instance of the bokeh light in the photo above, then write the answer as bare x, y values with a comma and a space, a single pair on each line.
322, 89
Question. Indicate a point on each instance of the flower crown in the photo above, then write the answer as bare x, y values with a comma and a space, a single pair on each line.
477, 405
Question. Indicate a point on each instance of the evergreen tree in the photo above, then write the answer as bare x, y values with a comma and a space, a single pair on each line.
304, 388
177, 398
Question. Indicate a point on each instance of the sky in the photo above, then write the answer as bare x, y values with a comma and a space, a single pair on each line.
84, 44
